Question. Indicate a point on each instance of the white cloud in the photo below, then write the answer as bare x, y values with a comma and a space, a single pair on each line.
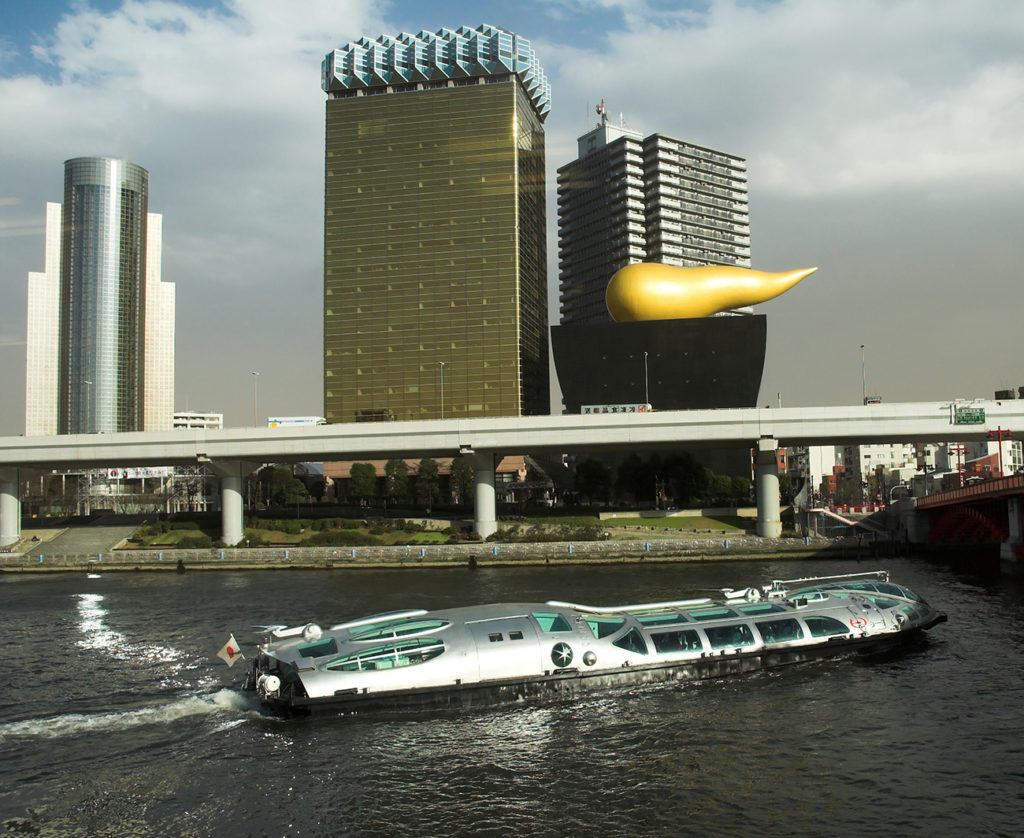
870, 127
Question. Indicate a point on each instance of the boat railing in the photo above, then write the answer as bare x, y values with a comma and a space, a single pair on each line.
882, 575
643, 606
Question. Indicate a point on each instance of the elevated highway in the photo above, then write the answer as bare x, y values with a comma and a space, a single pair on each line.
234, 452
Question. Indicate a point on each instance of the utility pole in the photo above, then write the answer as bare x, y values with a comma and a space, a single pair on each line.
1000, 434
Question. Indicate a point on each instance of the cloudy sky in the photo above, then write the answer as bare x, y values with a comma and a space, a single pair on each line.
883, 140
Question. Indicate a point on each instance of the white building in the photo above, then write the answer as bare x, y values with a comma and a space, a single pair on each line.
99, 320
193, 419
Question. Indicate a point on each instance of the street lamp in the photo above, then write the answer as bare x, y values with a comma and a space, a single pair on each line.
255, 398
442, 388
863, 378
647, 397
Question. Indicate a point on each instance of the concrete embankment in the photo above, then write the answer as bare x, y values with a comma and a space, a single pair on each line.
444, 555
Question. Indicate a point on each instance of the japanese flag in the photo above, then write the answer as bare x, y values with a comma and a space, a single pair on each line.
231, 651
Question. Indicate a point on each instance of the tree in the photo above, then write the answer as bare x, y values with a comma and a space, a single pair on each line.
396, 480
427, 487
740, 490
285, 488
593, 479
461, 481
364, 482
721, 487
634, 480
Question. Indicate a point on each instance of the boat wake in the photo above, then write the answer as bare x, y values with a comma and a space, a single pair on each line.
223, 702
97, 636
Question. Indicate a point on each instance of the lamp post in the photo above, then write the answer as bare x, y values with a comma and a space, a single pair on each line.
442, 388
647, 396
255, 398
863, 378
90, 422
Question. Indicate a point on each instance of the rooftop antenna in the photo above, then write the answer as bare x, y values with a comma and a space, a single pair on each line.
603, 113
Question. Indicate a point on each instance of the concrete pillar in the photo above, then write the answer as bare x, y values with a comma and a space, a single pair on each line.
769, 523
485, 521
1008, 550
231, 474
10, 508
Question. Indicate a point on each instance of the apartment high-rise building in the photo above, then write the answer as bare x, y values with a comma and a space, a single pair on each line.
100, 325
435, 290
629, 199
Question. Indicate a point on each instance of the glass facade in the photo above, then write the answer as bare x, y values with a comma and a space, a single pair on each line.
435, 291
102, 305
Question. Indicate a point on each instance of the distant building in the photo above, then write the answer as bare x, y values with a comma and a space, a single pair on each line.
100, 322
193, 419
435, 274
658, 199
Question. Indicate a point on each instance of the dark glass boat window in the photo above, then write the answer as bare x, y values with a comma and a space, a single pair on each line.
391, 656
605, 626
666, 618
825, 626
495, 637
713, 614
632, 641
896, 590
515, 635
779, 631
677, 641
911, 611
762, 608
327, 646
551, 622
882, 601
729, 637
398, 628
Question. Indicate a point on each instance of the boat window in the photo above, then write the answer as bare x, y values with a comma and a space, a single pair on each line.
398, 628
605, 626
762, 608
779, 631
495, 637
632, 641
666, 618
551, 622
390, 656
882, 601
327, 646
729, 637
677, 641
713, 614
515, 635
896, 590
911, 611
825, 626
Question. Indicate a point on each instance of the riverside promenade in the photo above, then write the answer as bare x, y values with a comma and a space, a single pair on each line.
481, 554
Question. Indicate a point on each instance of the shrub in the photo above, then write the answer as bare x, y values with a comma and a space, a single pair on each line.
339, 538
199, 541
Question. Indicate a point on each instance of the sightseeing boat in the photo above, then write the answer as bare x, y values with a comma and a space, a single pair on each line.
492, 654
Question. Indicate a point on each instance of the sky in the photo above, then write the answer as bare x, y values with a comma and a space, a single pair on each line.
883, 141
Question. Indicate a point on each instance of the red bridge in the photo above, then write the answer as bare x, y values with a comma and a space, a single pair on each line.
984, 512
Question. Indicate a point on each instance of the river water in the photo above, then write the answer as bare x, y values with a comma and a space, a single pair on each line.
116, 718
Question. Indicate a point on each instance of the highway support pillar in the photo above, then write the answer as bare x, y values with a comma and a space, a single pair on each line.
766, 471
485, 521
10, 508
1011, 550
232, 473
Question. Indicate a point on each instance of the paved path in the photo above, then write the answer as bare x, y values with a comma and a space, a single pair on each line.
89, 540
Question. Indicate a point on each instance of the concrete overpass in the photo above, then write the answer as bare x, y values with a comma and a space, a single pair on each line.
234, 452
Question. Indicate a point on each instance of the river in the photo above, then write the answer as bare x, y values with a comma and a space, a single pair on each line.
116, 718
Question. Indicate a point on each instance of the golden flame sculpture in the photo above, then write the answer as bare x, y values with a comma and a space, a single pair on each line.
652, 291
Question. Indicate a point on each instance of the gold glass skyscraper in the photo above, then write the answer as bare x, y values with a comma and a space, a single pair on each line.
435, 289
